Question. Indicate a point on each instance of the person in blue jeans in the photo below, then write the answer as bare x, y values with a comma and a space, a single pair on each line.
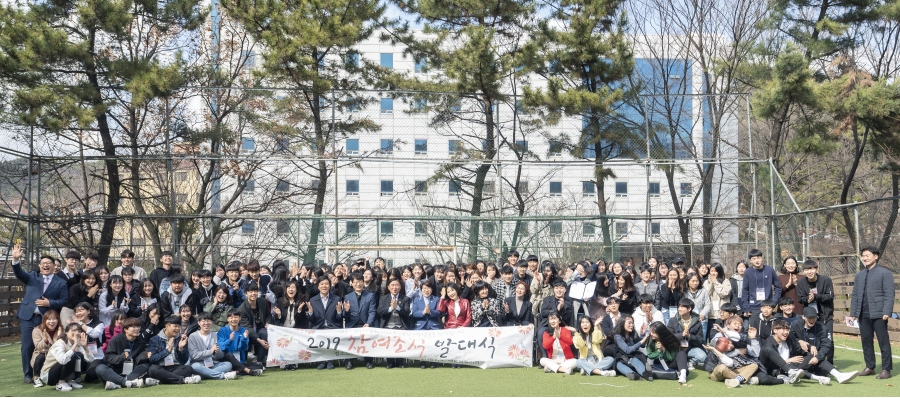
207, 359
630, 361
589, 342
689, 329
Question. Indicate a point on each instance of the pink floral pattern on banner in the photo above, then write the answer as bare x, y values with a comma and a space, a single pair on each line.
283, 342
304, 355
495, 332
526, 330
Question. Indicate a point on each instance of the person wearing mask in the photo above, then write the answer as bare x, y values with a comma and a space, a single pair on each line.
517, 309
872, 303
207, 359
359, 311
128, 262
126, 354
43, 292
393, 312
169, 355
817, 291
760, 283
424, 312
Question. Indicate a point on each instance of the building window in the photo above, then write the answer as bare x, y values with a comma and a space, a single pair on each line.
453, 146
387, 105
248, 144
420, 105
556, 148
522, 187
352, 104
352, 228
283, 186
352, 146
621, 228
314, 183
420, 65
387, 60
248, 227
555, 228
282, 144
654, 229
181, 176
352, 187
521, 108
353, 59
653, 189
387, 228
489, 227
249, 186
455, 187
421, 147
588, 188
282, 227
181, 198
419, 228
687, 189
455, 227
421, 188
489, 187
387, 147
587, 229
555, 188
621, 189
387, 187
521, 145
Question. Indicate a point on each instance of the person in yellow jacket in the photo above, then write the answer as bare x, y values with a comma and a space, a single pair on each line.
589, 342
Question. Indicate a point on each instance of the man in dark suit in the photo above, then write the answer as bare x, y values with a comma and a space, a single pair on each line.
70, 272
325, 311
43, 291
393, 311
359, 310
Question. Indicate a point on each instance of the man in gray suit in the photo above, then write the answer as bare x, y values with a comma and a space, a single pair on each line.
872, 302
43, 291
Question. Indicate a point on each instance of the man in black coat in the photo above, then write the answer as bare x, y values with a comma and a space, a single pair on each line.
872, 302
393, 313
255, 317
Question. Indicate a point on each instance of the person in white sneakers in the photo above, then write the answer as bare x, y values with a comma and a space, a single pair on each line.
126, 355
64, 357
169, 355
207, 359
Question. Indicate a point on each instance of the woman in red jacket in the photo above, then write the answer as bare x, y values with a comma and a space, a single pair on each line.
557, 341
457, 309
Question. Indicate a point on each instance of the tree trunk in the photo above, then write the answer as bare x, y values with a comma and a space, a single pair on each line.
480, 175
895, 192
860, 145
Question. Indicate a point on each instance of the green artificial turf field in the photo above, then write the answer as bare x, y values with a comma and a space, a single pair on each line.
447, 382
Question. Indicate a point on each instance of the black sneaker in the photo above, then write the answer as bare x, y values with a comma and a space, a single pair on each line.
633, 376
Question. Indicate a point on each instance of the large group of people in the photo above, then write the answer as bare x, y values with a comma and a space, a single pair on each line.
656, 320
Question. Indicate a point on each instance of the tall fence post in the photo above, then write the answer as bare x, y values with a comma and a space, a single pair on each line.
772, 231
856, 231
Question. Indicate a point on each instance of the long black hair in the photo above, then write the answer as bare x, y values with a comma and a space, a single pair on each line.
665, 336
480, 285
620, 328
720, 270
590, 331
109, 293
299, 297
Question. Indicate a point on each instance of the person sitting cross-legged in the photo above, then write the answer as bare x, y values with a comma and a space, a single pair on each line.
169, 355
207, 359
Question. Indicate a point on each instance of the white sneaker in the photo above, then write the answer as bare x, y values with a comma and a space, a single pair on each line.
192, 379
63, 387
823, 380
583, 373
794, 375
683, 380
149, 382
841, 377
608, 373
570, 371
753, 381
690, 365
38, 383
112, 386
547, 369
136, 383
229, 375
75, 385
732, 383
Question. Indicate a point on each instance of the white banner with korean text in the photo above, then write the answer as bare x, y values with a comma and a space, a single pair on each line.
499, 347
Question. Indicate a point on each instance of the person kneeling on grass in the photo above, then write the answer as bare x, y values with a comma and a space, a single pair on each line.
207, 359
126, 355
169, 354
234, 340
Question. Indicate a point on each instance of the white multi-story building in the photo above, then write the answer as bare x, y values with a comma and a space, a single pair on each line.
385, 191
